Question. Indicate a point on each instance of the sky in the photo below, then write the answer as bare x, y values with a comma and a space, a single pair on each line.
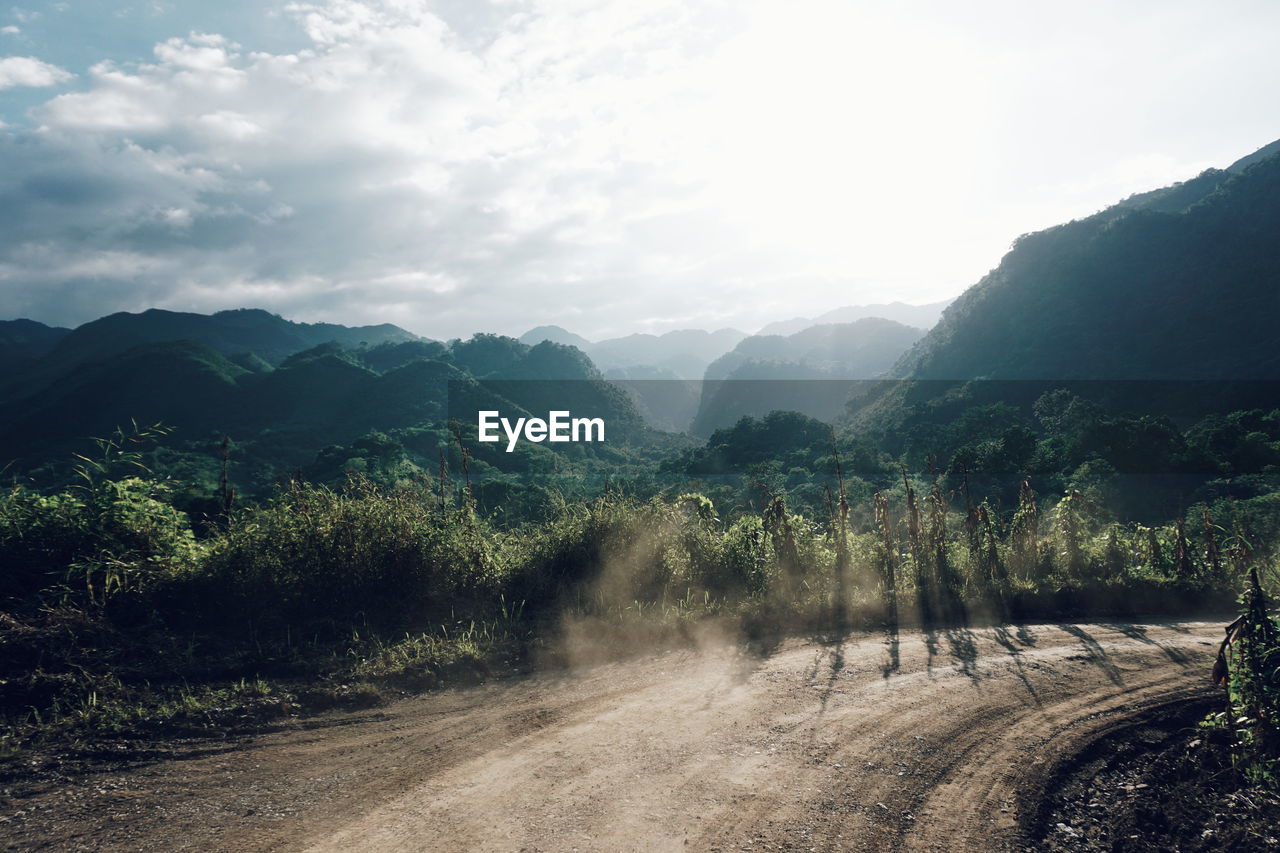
610, 166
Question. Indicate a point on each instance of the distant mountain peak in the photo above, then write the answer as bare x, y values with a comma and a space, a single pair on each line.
555, 334
916, 316
25, 340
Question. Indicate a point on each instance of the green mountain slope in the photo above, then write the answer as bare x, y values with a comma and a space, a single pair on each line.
23, 341
186, 385
228, 332
1130, 355
314, 412
238, 334
1183, 283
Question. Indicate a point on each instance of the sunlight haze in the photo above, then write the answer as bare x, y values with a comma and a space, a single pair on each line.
455, 167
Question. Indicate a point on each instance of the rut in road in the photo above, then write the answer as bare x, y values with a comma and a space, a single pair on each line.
819, 746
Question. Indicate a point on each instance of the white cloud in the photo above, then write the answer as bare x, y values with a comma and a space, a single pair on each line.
405, 169
197, 52
457, 166
29, 71
228, 125
11, 30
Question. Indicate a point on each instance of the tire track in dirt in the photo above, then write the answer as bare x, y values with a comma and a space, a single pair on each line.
820, 746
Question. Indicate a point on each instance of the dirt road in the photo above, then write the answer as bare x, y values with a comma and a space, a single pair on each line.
811, 747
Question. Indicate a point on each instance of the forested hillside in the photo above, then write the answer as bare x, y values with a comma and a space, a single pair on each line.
1180, 283
23, 341
323, 411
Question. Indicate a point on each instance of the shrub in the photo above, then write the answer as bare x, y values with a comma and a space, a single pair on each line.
363, 554
91, 543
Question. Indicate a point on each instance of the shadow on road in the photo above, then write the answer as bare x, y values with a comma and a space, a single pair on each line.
893, 644
1139, 633
1094, 652
1014, 642
832, 650
964, 649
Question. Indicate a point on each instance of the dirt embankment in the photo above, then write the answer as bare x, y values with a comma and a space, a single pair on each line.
941, 741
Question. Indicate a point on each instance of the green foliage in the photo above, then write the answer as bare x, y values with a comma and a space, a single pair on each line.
403, 582
113, 532
609, 537
1249, 668
1070, 534
335, 409
386, 555
743, 563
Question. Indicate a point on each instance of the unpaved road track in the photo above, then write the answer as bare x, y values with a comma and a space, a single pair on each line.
812, 747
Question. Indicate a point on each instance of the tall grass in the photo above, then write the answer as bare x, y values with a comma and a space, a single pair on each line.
410, 584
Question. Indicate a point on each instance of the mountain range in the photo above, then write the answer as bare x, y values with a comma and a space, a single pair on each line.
283, 399
918, 316
1175, 285
682, 354
45, 354
675, 379
863, 349
687, 353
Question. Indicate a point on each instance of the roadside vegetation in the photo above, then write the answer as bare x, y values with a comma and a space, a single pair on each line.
119, 615
1248, 668
1197, 775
